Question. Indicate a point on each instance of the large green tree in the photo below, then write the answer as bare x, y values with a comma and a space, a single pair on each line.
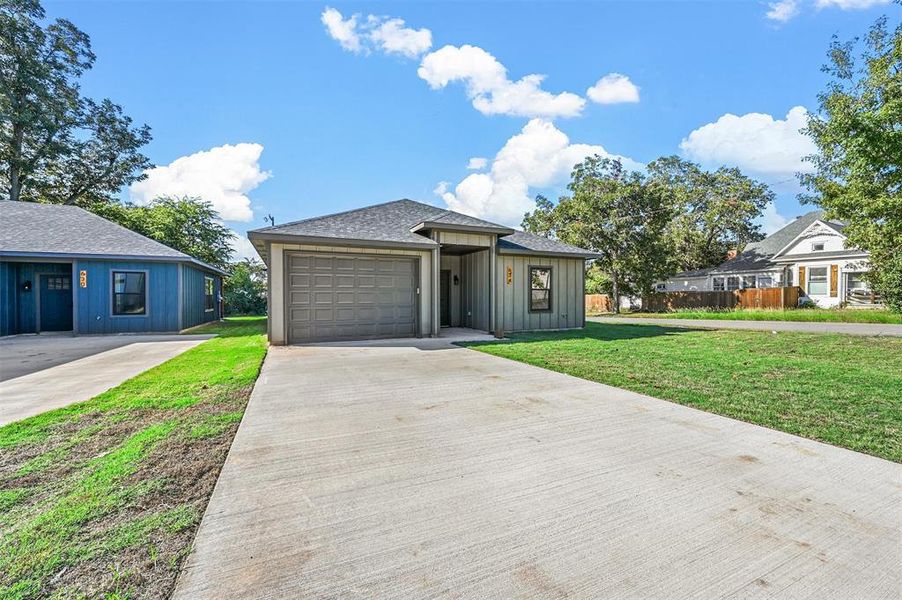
189, 225
56, 145
714, 211
620, 214
857, 174
244, 290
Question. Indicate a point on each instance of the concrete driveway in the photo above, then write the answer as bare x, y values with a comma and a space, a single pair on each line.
424, 470
43, 372
807, 327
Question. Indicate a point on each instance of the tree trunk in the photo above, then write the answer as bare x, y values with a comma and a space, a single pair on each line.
15, 163
615, 293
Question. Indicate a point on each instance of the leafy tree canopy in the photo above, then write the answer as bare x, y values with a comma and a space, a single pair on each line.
620, 214
189, 225
56, 145
244, 290
857, 176
714, 211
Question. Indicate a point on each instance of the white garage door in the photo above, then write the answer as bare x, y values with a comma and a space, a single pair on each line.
348, 297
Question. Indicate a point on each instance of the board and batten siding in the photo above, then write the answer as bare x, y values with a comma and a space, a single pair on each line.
93, 304
18, 312
567, 293
193, 307
474, 292
276, 273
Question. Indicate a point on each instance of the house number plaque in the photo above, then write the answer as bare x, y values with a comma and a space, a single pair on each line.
83, 278
510, 275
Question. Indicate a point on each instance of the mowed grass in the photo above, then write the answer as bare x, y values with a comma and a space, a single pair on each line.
840, 389
818, 315
102, 498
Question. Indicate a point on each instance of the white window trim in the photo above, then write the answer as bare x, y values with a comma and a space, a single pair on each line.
213, 308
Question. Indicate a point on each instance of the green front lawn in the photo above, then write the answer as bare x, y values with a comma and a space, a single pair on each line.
821, 315
102, 498
840, 389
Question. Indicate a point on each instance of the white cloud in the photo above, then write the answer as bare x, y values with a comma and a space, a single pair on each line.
613, 88
387, 34
489, 88
342, 30
477, 163
782, 11
222, 176
754, 142
850, 4
242, 248
771, 221
540, 156
392, 37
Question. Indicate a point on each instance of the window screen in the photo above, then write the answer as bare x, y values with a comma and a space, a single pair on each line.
817, 281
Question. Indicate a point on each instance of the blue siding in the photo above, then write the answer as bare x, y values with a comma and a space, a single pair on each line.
18, 308
193, 312
93, 304
8, 302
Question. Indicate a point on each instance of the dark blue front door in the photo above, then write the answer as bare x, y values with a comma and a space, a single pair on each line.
56, 302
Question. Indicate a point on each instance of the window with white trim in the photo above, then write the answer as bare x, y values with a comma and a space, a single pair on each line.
817, 281
765, 281
817, 247
749, 281
718, 284
732, 283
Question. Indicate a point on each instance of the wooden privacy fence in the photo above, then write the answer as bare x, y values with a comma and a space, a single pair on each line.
598, 303
773, 298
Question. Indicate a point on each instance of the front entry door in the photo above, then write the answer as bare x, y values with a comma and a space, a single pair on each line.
445, 299
56, 302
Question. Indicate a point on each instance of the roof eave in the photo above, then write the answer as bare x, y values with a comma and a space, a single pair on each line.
289, 238
526, 252
789, 258
69, 256
501, 231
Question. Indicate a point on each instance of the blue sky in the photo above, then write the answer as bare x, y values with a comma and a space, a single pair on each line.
263, 109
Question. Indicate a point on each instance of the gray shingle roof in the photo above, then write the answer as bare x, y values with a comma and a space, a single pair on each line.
758, 255
29, 228
388, 222
520, 241
392, 222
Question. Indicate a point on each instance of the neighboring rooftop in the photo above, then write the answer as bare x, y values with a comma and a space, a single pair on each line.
392, 222
30, 228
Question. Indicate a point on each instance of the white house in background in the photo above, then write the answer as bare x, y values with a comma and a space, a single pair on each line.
810, 252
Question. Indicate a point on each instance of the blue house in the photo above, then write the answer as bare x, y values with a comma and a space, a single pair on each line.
63, 268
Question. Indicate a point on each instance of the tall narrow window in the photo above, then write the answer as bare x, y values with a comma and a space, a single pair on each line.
732, 283
539, 289
129, 293
209, 292
817, 281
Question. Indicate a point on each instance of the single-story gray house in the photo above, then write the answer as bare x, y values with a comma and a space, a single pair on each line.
407, 269
63, 268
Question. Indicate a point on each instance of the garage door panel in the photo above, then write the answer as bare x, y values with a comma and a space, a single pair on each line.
350, 297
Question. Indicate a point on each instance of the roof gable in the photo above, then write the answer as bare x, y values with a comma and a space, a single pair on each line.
818, 228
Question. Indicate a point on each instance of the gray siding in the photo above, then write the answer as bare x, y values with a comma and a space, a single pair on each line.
193, 312
474, 293
567, 293
452, 264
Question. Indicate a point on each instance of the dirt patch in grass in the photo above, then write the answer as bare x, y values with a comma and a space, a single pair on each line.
103, 499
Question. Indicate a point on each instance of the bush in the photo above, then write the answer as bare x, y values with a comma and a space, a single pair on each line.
244, 289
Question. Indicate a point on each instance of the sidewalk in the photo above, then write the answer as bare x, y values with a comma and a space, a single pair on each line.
804, 326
